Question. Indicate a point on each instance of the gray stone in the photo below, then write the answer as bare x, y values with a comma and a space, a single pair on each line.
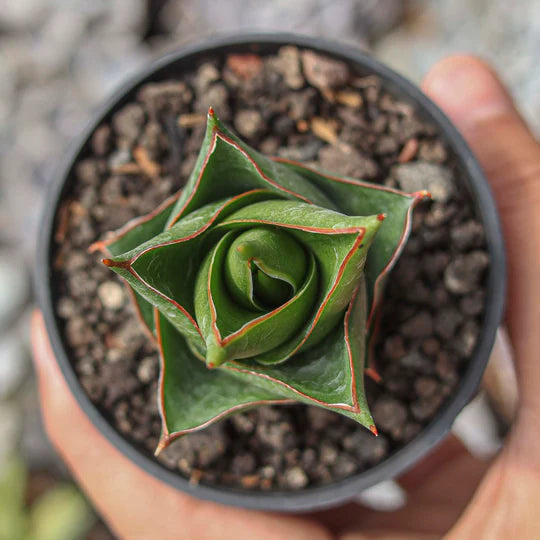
13, 364
421, 175
111, 294
296, 478
14, 286
419, 325
248, 122
463, 274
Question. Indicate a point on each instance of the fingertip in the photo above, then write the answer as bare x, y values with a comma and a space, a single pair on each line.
467, 89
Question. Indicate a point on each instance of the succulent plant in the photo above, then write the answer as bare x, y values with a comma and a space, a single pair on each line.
261, 283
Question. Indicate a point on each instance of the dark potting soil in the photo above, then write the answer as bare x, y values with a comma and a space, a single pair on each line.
305, 107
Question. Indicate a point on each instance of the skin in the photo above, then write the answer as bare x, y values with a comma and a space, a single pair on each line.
450, 493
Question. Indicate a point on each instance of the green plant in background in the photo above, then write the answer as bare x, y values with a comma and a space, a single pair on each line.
266, 270
61, 513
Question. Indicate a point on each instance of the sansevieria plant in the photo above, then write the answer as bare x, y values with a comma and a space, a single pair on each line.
261, 282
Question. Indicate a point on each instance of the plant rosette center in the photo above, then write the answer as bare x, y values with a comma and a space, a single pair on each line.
261, 282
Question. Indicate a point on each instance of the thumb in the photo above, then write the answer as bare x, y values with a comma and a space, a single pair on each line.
473, 97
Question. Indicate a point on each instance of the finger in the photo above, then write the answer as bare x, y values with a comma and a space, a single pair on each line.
474, 98
135, 504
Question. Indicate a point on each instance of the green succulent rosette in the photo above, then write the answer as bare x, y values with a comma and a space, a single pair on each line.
261, 283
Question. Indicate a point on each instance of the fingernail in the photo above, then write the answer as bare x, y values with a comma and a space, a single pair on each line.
467, 89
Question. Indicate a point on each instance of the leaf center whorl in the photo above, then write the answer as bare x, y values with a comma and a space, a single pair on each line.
264, 268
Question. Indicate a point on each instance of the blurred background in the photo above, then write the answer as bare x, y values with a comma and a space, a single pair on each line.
59, 58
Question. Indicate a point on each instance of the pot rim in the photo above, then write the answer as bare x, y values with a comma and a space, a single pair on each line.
314, 498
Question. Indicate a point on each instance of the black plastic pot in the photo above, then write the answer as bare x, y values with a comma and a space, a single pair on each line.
472, 179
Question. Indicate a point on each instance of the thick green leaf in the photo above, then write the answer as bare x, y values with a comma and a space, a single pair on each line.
227, 167
329, 375
163, 269
339, 244
131, 235
230, 330
193, 396
264, 267
254, 269
357, 198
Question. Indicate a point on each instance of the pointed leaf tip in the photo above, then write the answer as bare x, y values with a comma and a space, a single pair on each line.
374, 430
211, 112
381, 217
110, 263
423, 194
215, 356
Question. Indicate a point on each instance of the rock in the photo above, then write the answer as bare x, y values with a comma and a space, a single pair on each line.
425, 408
345, 466
473, 303
14, 286
324, 72
319, 419
394, 348
217, 97
431, 346
305, 152
447, 321
147, 369
301, 105
347, 162
467, 235
365, 446
243, 423
389, 415
245, 66
278, 436
420, 325
433, 151
296, 478
243, 464
111, 294
119, 157
433, 264
88, 171
386, 145
287, 63
446, 367
78, 331
417, 361
206, 74
426, 386
119, 383
328, 453
420, 175
466, 338
463, 274
13, 364
439, 214
128, 121
248, 122
154, 140
101, 140
165, 97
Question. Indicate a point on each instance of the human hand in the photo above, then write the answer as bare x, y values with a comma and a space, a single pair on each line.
137, 505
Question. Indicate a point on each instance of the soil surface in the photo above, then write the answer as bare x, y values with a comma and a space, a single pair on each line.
309, 108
